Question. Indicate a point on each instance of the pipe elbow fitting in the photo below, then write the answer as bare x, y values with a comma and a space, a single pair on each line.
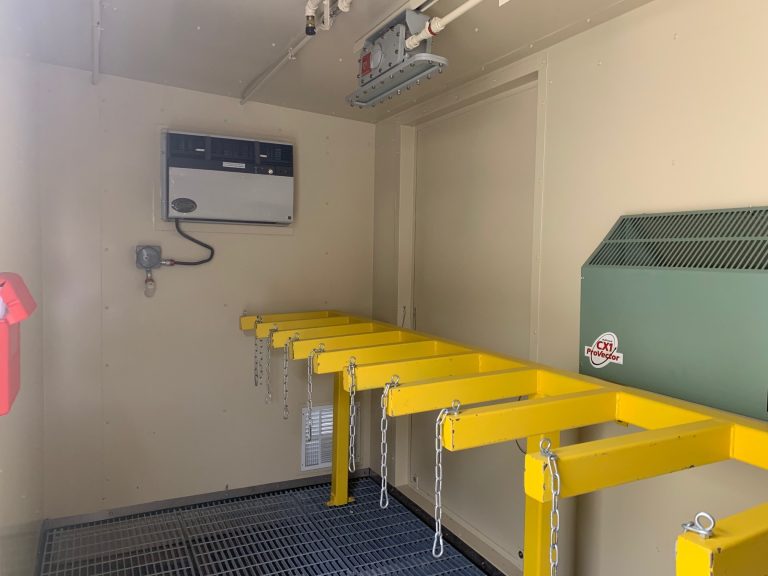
432, 28
344, 5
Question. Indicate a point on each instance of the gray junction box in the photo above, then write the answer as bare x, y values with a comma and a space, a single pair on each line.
678, 304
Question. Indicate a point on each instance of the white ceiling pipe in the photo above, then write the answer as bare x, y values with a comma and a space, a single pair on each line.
310, 11
312, 6
438, 24
264, 77
325, 23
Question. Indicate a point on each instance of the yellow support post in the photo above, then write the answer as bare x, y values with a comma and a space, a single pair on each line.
737, 547
340, 448
477, 427
537, 522
427, 395
601, 464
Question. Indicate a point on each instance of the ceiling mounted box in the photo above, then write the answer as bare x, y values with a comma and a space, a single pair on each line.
233, 180
678, 304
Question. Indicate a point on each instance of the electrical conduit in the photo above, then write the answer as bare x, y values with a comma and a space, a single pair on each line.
438, 24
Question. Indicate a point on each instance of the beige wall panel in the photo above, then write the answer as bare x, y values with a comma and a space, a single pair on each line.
474, 204
661, 109
71, 208
21, 430
168, 403
385, 226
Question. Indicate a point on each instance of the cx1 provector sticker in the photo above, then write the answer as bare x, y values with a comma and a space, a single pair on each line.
604, 351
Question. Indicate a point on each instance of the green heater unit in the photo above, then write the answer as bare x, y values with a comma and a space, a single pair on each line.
677, 304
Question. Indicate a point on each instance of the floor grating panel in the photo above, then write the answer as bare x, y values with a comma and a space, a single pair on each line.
287, 533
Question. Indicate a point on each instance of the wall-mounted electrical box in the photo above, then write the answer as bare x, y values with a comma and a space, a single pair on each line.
677, 304
233, 180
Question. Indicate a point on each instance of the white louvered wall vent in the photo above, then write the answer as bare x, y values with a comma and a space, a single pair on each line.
316, 452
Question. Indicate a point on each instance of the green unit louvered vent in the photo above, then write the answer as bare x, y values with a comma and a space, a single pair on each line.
708, 240
678, 304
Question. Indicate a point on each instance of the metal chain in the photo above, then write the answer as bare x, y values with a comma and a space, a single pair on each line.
554, 519
351, 466
256, 361
437, 544
310, 358
384, 495
268, 351
286, 352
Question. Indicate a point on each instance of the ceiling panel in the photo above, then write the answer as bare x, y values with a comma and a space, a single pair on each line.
220, 46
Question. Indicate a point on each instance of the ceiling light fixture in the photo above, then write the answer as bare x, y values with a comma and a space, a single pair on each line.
397, 54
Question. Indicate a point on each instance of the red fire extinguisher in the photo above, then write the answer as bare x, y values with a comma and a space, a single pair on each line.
16, 304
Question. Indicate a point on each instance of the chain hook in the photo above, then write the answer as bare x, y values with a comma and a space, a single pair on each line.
383, 426
438, 546
703, 525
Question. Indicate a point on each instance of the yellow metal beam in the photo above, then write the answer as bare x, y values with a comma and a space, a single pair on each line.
249, 322
426, 395
379, 335
372, 376
552, 383
280, 337
738, 547
510, 421
750, 444
262, 330
338, 360
340, 446
653, 414
601, 464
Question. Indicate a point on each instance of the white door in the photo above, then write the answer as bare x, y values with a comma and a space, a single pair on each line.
472, 283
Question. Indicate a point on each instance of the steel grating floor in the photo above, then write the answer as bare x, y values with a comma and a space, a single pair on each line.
290, 532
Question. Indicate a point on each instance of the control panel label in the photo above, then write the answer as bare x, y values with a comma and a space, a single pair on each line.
365, 64
604, 351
